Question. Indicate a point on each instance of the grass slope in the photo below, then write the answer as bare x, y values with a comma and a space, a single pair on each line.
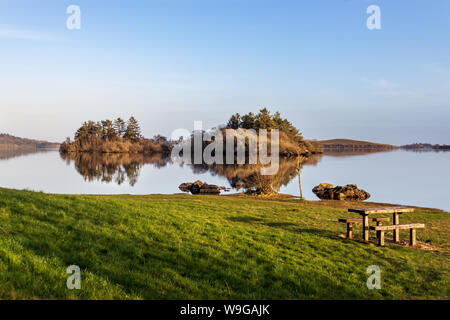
204, 247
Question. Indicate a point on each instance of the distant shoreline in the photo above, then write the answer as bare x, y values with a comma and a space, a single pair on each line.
426, 147
354, 145
12, 143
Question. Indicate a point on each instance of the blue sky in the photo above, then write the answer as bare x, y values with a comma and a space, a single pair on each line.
172, 62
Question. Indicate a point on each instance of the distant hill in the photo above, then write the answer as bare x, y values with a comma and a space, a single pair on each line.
12, 143
354, 145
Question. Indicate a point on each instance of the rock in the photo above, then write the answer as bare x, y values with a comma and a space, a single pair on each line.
199, 183
238, 185
209, 189
199, 187
185, 187
325, 185
195, 188
326, 191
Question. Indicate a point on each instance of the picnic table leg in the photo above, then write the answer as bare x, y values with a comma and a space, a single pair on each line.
381, 239
396, 232
379, 223
349, 231
366, 227
412, 240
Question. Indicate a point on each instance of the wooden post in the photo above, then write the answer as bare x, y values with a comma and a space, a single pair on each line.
366, 227
349, 230
300, 183
299, 169
381, 238
379, 223
396, 231
412, 240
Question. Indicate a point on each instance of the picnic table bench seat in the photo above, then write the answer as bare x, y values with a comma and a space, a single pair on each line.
412, 228
351, 221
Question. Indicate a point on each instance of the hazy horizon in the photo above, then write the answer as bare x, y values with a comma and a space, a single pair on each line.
169, 63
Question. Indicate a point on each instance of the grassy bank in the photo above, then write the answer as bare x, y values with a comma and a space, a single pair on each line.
179, 246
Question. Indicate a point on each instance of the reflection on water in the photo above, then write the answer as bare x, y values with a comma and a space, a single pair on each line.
249, 178
6, 154
401, 177
115, 167
119, 168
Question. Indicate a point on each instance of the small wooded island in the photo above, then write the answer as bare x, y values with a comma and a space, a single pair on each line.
115, 136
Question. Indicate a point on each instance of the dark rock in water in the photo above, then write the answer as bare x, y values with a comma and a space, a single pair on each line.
199, 187
185, 187
326, 191
195, 187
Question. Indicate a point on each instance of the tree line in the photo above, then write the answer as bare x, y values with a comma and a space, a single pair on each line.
108, 130
114, 136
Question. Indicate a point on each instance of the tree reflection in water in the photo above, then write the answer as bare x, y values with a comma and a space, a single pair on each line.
248, 177
112, 167
118, 168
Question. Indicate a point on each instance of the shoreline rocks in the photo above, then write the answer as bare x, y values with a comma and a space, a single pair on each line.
199, 187
326, 191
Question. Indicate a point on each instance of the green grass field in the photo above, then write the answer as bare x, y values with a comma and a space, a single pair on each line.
206, 247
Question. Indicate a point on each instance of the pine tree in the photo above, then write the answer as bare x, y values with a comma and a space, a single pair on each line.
248, 121
120, 126
264, 119
133, 131
234, 122
108, 131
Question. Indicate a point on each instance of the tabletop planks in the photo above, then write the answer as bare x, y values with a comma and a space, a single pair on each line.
381, 210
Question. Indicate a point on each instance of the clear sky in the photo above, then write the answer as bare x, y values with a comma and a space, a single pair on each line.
170, 62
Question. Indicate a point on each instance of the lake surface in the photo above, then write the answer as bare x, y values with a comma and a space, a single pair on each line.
401, 177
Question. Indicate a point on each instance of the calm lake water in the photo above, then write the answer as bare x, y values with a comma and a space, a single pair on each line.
402, 177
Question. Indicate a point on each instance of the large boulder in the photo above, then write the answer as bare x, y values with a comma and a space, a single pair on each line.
199, 187
326, 191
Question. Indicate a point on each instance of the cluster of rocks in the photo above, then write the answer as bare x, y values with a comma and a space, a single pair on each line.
326, 191
199, 187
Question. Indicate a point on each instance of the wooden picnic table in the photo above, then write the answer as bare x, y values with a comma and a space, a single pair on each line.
365, 212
